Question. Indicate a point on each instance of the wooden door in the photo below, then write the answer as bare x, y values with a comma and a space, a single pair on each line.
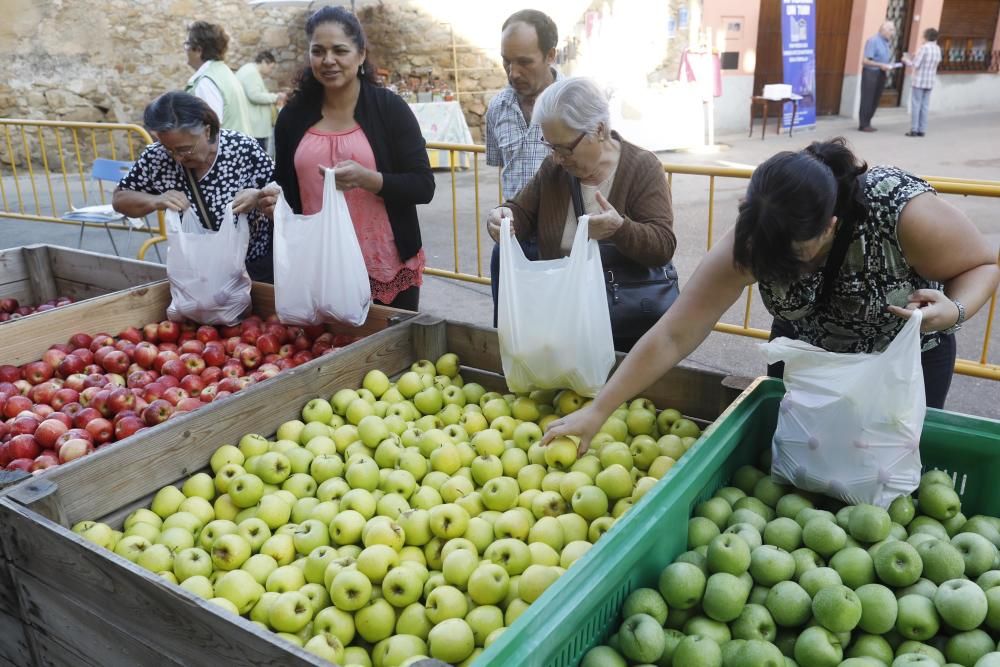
833, 23
900, 12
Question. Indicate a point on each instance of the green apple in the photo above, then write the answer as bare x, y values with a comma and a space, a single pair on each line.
855, 566
230, 551
789, 604
253, 444
790, 504
451, 641
747, 532
768, 565
280, 547
515, 523
682, 585
273, 511
728, 553
350, 590
869, 523
701, 531
724, 597
938, 501
823, 537
979, 553
199, 507
260, 566
500, 493
917, 618
837, 608
185, 520
334, 622
361, 501
213, 530
511, 554
961, 604
644, 601
816, 579
240, 588
458, 566
176, 538
941, 561
167, 501
375, 621
590, 502
993, 609
224, 455
199, 585
968, 648
448, 520
485, 468
754, 623
273, 468
698, 651
200, 484
445, 602
289, 612
818, 647
192, 562
784, 533
375, 561
246, 490
157, 558
615, 481
878, 609
871, 647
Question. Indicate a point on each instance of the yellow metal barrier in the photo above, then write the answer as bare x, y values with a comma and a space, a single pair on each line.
943, 184
26, 143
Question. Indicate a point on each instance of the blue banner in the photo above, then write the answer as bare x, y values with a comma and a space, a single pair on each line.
798, 56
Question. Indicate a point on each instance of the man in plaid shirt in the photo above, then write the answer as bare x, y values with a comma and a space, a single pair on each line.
924, 70
528, 49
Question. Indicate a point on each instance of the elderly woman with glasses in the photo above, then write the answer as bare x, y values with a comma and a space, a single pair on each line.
195, 163
622, 188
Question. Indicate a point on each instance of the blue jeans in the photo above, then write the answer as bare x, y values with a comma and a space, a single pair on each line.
530, 248
920, 102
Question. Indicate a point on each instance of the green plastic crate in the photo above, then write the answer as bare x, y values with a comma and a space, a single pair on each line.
583, 607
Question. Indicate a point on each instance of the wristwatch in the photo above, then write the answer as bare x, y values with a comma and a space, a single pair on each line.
961, 318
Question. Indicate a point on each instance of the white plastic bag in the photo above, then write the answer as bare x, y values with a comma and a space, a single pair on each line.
554, 327
319, 271
849, 424
209, 282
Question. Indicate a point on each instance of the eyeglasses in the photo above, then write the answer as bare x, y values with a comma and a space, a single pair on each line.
564, 150
182, 152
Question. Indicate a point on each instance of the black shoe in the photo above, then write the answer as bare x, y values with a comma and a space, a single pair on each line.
914, 134
867, 129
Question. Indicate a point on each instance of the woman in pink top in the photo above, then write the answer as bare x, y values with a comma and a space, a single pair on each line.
338, 118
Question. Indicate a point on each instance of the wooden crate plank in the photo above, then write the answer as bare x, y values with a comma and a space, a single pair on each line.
102, 482
13, 267
18, 289
430, 338
40, 272
187, 629
14, 642
477, 347
107, 647
105, 272
379, 316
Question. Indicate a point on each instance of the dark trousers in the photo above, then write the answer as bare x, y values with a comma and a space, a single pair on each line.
938, 364
872, 83
261, 270
530, 248
408, 299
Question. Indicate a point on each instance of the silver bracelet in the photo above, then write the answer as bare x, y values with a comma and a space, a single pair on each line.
961, 318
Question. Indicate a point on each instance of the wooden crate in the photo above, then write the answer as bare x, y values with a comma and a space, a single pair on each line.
85, 605
35, 274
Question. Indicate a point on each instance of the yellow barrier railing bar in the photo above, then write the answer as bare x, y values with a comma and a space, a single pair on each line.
454, 207
711, 209
66, 152
475, 223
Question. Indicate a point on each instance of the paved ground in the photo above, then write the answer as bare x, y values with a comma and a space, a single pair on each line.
966, 146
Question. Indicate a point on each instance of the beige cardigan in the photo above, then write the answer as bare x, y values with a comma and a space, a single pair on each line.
639, 193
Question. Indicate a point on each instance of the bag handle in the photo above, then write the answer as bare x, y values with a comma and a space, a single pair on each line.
576, 193
198, 201
329, 186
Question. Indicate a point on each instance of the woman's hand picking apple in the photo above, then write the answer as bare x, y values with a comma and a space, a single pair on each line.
585, 422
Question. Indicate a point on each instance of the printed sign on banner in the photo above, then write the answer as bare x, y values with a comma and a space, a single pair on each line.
798, 55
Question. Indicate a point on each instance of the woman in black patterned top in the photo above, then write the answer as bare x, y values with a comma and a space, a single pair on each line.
228, 166
903, 247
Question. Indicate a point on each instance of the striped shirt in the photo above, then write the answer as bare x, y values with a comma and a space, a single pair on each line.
511, 143
925, 65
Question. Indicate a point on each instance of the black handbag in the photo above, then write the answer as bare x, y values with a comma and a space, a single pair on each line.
637, 295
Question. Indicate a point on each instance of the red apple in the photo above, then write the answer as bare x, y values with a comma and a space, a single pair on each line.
43, 393
47, 459
284, 363
102, 352
174, 367
138, 379
85, 416
94, 381
78, 340
286, 351
112, 380
228, 384
301, 343
319, 349
23, 446
23, 387
101, 340
168, 331
268, 371
192, 384
53, 357
70, 365
193, 345
25, 424
9, 373
145, 354
231, 344
60, 417
150, 333
314, 331
37, 372
116, 362
157, 412
162, 357
85, 354
268, 344
211, 374
93, 369
301, 357
127, 426
131, 334
74, 448
120, 399
193, 362
188, 404
250, 357
71, 410
42, 410
250, 334
101, 430
170, 347
21, 464
206, 333
49, 431
214, 354
175, 395
64, 396
9, 305
15, 405
232, 370
207, 394
169, 381
277, 330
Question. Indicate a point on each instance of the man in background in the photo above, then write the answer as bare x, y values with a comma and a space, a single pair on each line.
877, 63
528, 49
262, 101
924, 71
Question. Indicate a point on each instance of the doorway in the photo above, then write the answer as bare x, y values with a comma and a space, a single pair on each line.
833, 24
900, 12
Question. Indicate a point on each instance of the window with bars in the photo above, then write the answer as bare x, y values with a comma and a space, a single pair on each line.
966, 39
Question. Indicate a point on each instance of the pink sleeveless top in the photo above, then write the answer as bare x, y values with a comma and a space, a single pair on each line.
388, 275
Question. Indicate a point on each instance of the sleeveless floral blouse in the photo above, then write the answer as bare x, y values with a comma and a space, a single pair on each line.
874, 274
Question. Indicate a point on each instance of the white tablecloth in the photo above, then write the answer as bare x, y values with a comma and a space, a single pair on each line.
443, 122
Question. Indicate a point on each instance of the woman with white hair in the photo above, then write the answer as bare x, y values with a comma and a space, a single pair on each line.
621, 187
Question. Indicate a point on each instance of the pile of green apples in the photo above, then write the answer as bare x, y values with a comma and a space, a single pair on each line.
775, 577
402, 520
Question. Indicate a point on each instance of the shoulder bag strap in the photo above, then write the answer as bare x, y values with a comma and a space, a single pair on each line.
577, 194
841, 241
198, 201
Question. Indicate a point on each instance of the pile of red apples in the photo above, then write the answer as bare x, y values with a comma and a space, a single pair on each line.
11, 309
95, 390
